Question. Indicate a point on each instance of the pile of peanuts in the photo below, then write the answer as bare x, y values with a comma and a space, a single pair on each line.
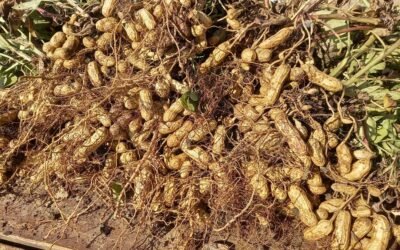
152, 137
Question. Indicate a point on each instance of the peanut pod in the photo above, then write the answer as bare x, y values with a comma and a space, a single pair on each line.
277, 39
292, 135
380, 233
300, 200
98, 138
341, 233
201, 131
321, 79
322, 229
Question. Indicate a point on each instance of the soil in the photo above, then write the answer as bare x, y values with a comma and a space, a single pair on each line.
33, 215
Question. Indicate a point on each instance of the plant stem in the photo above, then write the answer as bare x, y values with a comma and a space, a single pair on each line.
375, 61
373, 21
340, 67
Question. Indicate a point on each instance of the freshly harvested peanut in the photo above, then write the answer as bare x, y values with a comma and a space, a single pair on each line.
173, 140
333, 123
105, 40
135, 125
360, 228
108, 7
234, 23
127, 157
248, 55
61, 53
80, 132
217, 56
380, 233
201, 131
71, 43
345, 158
396, 232
72, 63
67, 89
219, 140
297, 74
68, 29
202, 18
123, 66
58, 39
199, 31
277, 39
24, 115
146, 104
332, 140
131, 32
359, 170
278, 80
263, 55
361, 209
103, 59
318, 133
121, 147
169, 127
300, 200
246, 112
158, 11
260, 186
177, 86
58, 64
374, 191
175, 109
197, 154
102, 116
332, 205
174, 162
162, 88
278, 192
321, 79
317, 152
142, 183
301, 128
147, 18
94, 74
185, 169
361, 154
322, 229
292, 135
48, 48
98, 138
316, 185
89, 42
322, 213
344, 188
205, 185
130, 103
107, 24
136, 62
170, 190
341, 233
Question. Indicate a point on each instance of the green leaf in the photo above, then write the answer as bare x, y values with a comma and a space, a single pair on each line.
371, 128
194, 97
382, 133
116, 188
190, 101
